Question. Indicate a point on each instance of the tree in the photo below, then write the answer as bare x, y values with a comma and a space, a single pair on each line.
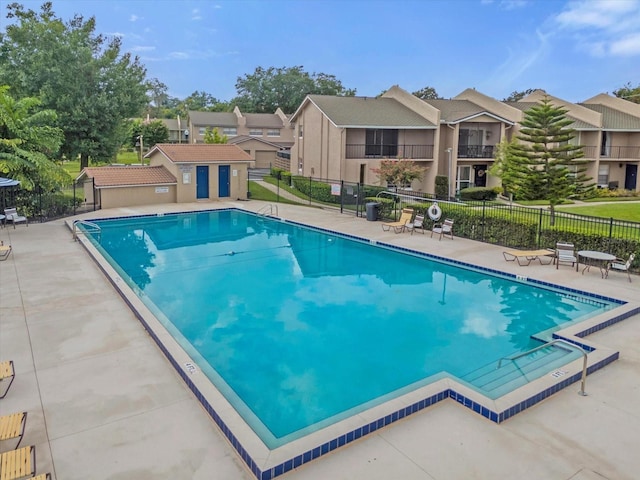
548, 152
157, 94
517, 96
213, 136
399, 172
427, 93
508, 168
79, 74
28, 140
266, 90
628, 93
203, 102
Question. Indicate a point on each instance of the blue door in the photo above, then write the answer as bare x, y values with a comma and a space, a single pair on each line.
223, 181
202, 182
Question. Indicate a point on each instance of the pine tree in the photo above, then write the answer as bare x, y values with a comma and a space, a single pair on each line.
546, 149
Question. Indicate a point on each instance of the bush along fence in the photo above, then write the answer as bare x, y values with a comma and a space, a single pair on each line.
485, 221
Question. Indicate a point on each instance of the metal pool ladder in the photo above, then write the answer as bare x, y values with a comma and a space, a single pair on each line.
90, 227
268, 210
548, 344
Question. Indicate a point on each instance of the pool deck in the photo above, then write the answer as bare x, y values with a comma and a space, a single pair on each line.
104, 403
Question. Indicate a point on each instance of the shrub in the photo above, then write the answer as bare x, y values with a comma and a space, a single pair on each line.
442, 187
479, 193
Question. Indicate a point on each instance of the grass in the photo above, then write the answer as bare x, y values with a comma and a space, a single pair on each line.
618, 210
258, 192
73, 166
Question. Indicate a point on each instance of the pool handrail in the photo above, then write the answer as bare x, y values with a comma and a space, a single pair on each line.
553, 342
268, 210
90, 227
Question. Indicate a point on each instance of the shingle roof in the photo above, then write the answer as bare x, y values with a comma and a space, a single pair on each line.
369, 112
128, 176
201, 152
577, 124
263, 120
455, 110
613, 119
213, 119
247, 138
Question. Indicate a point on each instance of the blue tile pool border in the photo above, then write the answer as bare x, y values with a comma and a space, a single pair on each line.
373, 426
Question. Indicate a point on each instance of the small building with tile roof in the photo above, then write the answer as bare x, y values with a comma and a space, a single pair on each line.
177, 173
204, 171
127, 185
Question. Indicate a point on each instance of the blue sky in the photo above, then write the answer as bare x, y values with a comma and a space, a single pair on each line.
572, 49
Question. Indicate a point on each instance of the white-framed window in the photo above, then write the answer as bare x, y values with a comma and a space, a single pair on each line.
255, 132
603, 175
230, 130
202, 130
275, 132
463, 179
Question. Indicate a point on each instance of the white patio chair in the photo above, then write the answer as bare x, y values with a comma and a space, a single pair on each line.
621, 265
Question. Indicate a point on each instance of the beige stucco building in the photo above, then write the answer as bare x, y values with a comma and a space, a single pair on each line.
344, 138
177, 173
261, 135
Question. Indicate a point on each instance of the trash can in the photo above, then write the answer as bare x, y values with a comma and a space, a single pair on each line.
372, 211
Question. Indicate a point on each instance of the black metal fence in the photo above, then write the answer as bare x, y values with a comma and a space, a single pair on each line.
491, 222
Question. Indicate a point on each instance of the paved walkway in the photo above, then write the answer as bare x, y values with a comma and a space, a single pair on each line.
104, 403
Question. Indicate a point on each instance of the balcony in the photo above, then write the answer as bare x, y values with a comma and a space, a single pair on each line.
475, 151
620, 152
417, 152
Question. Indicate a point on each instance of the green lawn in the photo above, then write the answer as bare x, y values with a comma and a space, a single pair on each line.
618, 210
258, 192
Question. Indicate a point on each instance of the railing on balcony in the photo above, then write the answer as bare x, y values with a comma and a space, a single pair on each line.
361, 150
589, 151
475, 151
620, 152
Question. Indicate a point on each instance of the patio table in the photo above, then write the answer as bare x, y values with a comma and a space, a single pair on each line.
599, 259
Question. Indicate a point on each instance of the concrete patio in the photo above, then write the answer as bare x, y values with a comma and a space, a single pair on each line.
104, 402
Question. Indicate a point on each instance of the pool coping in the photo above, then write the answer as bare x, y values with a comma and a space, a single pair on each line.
266, 464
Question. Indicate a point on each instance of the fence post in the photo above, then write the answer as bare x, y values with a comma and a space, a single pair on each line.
310, 192
484, 219
539, 227
610, 231
341, 196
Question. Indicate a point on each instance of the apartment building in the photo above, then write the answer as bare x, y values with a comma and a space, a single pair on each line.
261, 135
344, 138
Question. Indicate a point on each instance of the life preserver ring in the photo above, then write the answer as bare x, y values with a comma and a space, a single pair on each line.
434, 212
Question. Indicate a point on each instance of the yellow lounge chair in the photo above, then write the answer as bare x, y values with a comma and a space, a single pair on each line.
400, 225
12, 426
18, 463
6, 373
528, 256
5, 250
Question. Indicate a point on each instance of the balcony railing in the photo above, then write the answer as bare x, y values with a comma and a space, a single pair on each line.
381, 151
620, 152
475, 151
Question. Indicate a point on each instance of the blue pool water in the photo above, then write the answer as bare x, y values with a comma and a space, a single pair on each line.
299, 328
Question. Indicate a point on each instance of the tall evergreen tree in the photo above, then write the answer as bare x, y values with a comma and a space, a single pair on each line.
555, 163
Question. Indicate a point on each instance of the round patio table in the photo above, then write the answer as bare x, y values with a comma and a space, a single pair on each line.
599, 259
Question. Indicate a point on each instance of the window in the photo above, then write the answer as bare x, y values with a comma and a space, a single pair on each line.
464, 177
300, 131
381, 143
230, 130
255, 132
603, 176
202, 130
273, 133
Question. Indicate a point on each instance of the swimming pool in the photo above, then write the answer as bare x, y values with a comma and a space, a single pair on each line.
296, 355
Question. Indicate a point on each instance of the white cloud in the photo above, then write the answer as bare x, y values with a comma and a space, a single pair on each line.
195, 14
142, 48
133, 18
179, 55
603, 27
628, 46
